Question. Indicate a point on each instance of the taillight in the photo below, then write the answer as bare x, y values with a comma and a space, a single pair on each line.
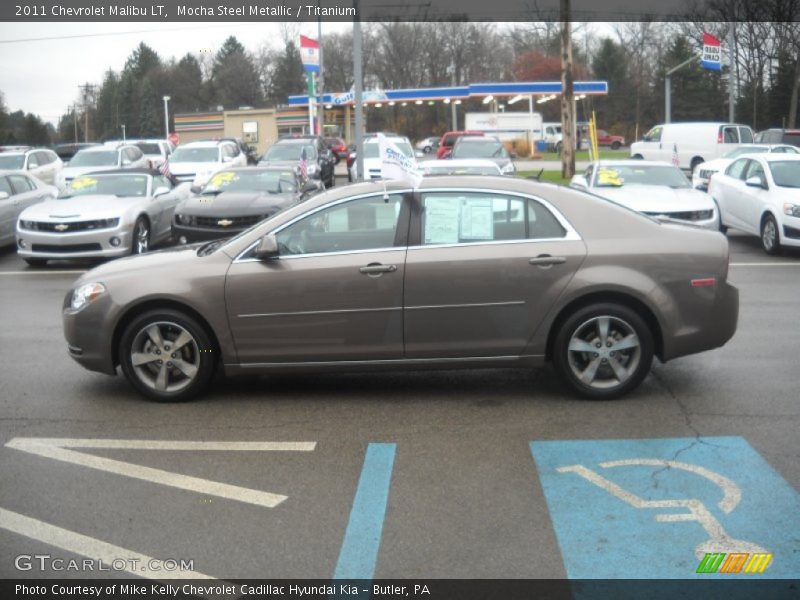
719, 136
704, 282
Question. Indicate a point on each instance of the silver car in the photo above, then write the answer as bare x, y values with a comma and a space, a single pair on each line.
463, 272
101, 215
18, 191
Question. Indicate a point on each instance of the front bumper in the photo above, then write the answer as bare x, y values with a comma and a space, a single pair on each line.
81, 244
84, 331
198, 234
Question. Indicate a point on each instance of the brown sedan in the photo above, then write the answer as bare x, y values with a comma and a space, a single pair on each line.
464, 272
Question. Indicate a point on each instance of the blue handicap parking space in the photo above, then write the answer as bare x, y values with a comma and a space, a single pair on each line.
658, 508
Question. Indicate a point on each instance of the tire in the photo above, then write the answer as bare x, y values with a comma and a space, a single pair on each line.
723, 229
35, 262
615, 145
559, 146
695, 161
148, 337
770, 236
140, 243
585, 369
427, 150
637, 157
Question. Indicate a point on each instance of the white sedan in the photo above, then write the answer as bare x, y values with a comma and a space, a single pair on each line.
703, 172
656, 189
760, 194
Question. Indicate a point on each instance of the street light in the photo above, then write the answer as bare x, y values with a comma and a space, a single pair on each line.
123, 133
166, 117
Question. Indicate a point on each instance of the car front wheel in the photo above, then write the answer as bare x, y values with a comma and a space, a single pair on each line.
141, 236
167, 355
603, 351
770, 237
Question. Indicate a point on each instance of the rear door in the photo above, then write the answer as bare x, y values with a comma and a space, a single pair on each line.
730, 198
483, 269
335, 293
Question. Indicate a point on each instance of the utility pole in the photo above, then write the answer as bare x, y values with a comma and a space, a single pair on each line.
320, 79
87, 90
731, 50
567, 94
74, 108
166, 117
358, 84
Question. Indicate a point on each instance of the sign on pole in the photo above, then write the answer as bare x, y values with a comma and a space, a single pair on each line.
309, 53
711, 58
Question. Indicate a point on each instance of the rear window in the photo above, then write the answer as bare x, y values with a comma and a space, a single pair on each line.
149, 148
791, 137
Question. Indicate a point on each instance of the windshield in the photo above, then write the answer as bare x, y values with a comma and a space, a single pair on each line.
148, 148
95, 159
274, 182
786, 173
460, 170
12, 161
204, 154
113, 185
745, 150
290, 152
481, 149
618, 176
371, 148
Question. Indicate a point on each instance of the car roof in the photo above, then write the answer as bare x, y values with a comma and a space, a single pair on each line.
151, 172
202, 144
772, 156
477, 138
101, 148
460, 162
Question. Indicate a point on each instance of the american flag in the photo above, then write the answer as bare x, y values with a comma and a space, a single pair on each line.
303, 163
164, 168
675, 160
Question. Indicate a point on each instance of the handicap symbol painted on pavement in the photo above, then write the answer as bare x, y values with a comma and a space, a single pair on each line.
655, 508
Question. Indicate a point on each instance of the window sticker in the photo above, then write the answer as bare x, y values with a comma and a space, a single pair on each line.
606, 176
82, 182
223, 178
477, 219
442, 220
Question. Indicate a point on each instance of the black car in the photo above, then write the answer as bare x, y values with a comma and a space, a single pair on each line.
235, 199
287, 152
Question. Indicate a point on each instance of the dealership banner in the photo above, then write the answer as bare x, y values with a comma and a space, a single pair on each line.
711, 53
309, 53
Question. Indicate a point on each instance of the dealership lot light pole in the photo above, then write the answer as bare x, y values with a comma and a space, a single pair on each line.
166, 116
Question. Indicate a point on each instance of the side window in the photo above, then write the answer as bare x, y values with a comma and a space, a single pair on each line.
5, 186
472, 217
755, 170
736, 170
654, 135
588, 174
234, 149
363, 224
33, 160
21, 184
542, 224
745, 135
730, 135
161, 181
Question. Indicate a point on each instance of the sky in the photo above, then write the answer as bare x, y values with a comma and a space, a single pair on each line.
42, 76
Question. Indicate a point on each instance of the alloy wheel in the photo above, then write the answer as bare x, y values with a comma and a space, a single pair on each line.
141, 237
165, 357
604, 352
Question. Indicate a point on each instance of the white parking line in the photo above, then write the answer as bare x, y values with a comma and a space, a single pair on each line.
11, 273
766, 264
112, 556
56, 449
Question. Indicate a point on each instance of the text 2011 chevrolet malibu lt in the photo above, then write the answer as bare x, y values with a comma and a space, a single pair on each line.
462, 272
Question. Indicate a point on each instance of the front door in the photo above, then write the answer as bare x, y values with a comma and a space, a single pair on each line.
335, 293
485, 272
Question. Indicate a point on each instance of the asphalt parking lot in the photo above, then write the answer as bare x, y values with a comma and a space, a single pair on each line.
473, 474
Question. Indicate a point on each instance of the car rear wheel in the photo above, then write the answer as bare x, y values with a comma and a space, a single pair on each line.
615, 145
697, 160
603, 351
141, 236
770, 236
167, 355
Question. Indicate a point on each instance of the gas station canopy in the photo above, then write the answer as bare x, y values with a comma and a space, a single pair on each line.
455, 94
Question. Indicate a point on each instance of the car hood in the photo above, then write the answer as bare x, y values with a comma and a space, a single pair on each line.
180, 168
71, 172
127, 267
80, 208
233, 204
289, 164
718, 164
656, 199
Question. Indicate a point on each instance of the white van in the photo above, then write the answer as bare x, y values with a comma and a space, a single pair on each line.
552, 136
694, 143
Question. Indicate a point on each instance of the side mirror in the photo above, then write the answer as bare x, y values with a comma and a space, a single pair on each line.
4, 196
160, 191
756, 181
227, 159
126, 162
267, 248
195, 189
579, 181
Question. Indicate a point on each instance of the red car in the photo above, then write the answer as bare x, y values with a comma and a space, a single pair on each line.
606, 139
448, 139
337, 146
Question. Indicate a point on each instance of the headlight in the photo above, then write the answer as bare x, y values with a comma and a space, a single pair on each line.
184, 219
793, 210
85, 294
508, 168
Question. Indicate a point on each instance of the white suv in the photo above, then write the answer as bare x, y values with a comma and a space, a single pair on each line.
196, 162
42, 163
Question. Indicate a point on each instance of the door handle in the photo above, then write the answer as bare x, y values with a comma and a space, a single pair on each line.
545, 260
377, 269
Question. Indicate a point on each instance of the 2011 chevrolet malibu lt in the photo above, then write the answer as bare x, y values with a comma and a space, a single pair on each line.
462, 272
